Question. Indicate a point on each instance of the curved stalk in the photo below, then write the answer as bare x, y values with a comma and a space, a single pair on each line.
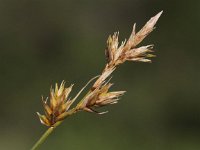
45, 135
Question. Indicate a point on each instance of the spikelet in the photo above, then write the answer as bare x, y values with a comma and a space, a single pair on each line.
101, 97
57, 105
128, 51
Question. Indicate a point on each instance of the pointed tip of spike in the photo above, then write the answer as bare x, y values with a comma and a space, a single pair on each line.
159, 14
156, 17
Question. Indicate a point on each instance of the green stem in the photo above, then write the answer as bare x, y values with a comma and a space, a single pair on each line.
44, 136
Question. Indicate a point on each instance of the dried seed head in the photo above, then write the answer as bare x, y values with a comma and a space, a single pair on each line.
58, 104
100, 97
127, 50
58, 107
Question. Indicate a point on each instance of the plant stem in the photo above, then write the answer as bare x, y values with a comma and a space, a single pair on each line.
45, 135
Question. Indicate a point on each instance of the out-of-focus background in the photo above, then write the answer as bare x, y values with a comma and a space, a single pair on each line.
45, 41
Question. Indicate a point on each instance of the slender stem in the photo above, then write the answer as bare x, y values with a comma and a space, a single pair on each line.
44, 136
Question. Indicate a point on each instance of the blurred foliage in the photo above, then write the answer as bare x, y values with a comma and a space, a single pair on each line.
43, 42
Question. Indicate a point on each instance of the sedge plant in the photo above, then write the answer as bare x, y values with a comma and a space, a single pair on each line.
59, 106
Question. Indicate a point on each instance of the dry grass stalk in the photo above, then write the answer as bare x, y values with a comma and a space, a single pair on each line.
59, 105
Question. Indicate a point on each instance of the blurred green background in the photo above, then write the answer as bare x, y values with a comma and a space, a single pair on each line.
46, 41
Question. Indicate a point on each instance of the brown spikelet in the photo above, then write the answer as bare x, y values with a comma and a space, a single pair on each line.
127, 50
57, 105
